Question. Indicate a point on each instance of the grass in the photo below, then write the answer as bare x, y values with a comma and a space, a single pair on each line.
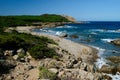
46, 74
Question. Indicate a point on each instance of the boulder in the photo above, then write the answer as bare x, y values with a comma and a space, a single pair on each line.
106, 77
108, 69
8, 53
114, 59
54, 70
22, 59
116, 42
15, 57
21, 50
74, 36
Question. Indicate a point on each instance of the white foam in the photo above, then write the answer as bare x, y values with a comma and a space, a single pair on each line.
58, 33
100, 50
115, 77
100, 61
98, 30
104, 30
60, 27
107, 40
69, 26
93, 33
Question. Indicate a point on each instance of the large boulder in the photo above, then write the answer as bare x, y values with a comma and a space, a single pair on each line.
114, 59
116, 42
108, 69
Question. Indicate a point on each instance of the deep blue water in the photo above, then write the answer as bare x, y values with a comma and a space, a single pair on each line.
98, 34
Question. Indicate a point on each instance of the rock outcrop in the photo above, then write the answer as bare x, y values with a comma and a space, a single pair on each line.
116, 42
70, 18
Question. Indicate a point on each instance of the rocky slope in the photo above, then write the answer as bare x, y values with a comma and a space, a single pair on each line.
70, 18
74, 62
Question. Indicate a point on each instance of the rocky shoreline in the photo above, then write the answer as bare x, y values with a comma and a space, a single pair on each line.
75, 61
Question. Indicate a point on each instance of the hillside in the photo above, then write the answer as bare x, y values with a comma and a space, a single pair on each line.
8, 21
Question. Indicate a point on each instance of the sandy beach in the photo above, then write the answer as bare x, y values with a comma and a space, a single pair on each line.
87, 53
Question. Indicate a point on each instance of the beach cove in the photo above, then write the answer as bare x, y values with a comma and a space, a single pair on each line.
74, 49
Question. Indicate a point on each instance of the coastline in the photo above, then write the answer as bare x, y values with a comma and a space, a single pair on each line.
86, 56
87, 53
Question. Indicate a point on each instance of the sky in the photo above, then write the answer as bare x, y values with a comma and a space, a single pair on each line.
83, 10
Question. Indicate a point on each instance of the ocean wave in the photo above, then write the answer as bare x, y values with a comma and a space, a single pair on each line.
101, 50
97, 30
105, 30
94, 33
107, 40
60, 27
61, 33
100, 61
68, 26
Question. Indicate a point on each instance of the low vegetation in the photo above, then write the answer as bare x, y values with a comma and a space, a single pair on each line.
46, 74
37, 46
5, 66
8, 21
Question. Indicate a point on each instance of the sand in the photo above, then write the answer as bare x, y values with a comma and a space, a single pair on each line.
87, 53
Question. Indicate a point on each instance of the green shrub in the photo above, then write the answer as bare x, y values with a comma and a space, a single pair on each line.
1, 53
44, 73
56, 58
8, 42
36, 45
5, 66
41, 51
21, 55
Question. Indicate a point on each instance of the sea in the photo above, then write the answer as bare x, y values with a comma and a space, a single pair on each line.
97, 34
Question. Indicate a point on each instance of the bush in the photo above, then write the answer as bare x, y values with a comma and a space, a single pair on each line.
21, 55
56, 58
46, 74
36, 45
1, 53
11, 42
41, 51
5, 66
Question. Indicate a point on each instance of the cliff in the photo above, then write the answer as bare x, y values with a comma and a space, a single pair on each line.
69, 18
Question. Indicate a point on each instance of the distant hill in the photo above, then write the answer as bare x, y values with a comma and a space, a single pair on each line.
6, 21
